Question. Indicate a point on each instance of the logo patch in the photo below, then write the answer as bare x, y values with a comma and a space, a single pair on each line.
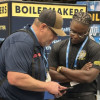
36, 55
82, 55
97, 63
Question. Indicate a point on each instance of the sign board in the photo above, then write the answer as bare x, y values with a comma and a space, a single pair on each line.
16, 14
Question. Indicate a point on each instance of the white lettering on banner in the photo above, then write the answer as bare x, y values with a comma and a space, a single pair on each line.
67, 29
94, 30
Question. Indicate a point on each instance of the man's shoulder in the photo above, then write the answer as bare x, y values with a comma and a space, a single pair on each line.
20, 36
59, 45
93, 44
62, 42
93, 47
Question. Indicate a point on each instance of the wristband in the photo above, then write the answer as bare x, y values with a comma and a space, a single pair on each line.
59, 69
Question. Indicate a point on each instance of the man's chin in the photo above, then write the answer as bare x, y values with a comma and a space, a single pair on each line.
74, 41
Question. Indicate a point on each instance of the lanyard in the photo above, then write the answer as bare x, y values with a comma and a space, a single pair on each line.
45, 62
67, 52
45, 58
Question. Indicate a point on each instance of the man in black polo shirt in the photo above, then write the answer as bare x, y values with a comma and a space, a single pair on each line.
67, 58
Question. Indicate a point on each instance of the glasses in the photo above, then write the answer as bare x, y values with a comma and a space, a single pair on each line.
80, 36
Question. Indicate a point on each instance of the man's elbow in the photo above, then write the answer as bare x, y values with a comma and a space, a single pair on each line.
90, 76
12, 81
87, 80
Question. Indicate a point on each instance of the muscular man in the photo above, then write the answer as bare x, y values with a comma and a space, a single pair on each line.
67, 58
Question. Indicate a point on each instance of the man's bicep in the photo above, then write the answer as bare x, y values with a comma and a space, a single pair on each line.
13, 77
94, 57
93, 73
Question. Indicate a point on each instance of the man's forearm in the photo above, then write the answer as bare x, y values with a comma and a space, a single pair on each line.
32, 84
26, 82
58, 76
80, 75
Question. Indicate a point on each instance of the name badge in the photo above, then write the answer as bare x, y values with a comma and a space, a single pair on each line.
48, 78
73, 83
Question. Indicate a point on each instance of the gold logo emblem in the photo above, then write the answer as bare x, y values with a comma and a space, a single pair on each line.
82, 55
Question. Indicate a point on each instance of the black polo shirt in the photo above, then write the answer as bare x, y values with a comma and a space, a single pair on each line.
90, 53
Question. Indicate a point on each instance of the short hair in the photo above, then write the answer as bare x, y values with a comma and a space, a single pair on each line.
82, 17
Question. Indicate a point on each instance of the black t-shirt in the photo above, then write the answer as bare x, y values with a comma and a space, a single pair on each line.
90, 53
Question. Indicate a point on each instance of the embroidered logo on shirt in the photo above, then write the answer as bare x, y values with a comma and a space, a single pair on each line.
82, 55
97, 63
36, 55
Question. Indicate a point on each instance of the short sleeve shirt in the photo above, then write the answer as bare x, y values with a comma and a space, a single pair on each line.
17, 54
90, 53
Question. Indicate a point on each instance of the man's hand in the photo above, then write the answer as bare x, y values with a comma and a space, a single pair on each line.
55, 89
59, 95
87, 66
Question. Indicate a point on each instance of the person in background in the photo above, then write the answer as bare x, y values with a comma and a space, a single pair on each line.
75, 62
23, 64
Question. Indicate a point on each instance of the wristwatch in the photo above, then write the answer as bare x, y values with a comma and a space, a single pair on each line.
59, 69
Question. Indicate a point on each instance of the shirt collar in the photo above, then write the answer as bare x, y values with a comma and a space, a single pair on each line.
36, 39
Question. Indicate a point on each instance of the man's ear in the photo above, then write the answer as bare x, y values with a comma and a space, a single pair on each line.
43, 26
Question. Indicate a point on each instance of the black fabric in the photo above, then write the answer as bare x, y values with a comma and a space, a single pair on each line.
38, 75
85, 97
57, 57
98, 80
1, 99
